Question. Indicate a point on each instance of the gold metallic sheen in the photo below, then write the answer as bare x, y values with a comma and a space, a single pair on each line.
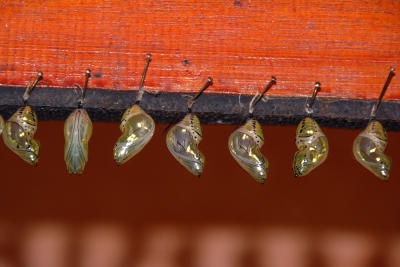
18, 135
1, 124
369, 147
182, 142
137, 128
313, 147
77, 132
245, 144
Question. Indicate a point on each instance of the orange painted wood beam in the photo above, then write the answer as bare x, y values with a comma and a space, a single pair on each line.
346, 45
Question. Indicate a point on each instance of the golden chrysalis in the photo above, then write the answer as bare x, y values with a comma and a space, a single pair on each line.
370, 144
183, 139
19, 130
137, 127
245, 142
311, 142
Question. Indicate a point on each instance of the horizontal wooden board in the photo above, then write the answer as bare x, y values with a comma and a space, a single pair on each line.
346, 45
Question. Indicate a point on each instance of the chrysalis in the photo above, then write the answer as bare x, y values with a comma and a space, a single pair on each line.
182, 142
313, 147
136, 125
20, 129
245, 143
369, 146
18, 135
1, 124
137, 128
77, 132
311, 142
183, 139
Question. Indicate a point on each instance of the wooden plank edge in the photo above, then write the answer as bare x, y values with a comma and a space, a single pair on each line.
109, 105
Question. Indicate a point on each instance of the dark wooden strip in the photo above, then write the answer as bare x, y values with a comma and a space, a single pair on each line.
108, 105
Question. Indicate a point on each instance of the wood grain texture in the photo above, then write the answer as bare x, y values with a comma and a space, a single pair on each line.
346, 45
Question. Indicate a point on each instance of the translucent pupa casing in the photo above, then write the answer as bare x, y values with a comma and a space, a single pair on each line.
18, 135
182, 142
137, 129
77, 132
369, 147
245, 144
1, 124
313, 147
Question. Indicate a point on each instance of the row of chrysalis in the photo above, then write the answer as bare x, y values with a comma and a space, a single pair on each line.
182, 139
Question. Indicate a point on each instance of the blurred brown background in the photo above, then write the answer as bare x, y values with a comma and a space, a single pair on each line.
152, 208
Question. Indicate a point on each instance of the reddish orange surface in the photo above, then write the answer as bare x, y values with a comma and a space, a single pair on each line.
154, 188
346, 45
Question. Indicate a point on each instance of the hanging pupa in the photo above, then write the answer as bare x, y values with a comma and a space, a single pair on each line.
77, 132
245, 143
137, 127
311, 142
1, 124
183, 139
20, 129
369, 146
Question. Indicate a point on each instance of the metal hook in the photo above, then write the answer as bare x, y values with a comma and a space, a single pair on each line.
193, 100
257, 97
309, 105
379, 101
83, 91
141, 91
251, 104
31, 86
190, 103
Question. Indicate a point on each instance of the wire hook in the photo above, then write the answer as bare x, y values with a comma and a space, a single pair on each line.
83, 91
194, 98
379, 101
258, 97
30, 87
317, 88
141, 91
